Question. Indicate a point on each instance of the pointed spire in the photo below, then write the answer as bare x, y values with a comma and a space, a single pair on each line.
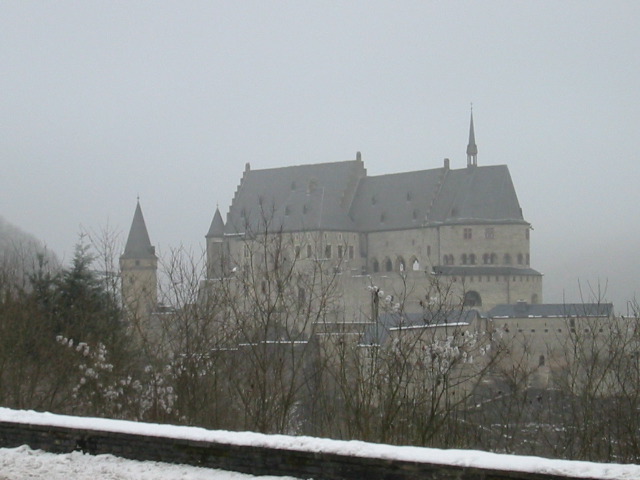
217, 225
138, 243
472, 148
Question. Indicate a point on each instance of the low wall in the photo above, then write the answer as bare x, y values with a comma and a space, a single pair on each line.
319, 459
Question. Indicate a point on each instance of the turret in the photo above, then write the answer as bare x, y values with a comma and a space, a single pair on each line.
216, 258
139, 271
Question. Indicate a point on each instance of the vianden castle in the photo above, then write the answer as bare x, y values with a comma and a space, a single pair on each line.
443, 236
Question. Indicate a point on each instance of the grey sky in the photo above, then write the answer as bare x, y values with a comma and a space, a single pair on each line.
102, 101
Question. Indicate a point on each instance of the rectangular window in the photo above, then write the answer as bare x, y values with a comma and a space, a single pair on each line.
327, 251
339, 251
297, 251
351, 253
309, 251
489, 233
467, 234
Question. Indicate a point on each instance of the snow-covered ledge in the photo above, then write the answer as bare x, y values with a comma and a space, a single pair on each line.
284, 454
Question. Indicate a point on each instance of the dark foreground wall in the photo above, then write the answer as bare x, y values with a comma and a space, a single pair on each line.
245, 459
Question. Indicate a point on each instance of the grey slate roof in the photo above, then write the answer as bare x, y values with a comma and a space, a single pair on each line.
552, 310
138, 243
378, 334
297, 198
468, 270
339, 196
217, 225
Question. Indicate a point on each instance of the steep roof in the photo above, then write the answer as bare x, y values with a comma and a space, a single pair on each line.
339, 196
297, 198
217, 225
138, 243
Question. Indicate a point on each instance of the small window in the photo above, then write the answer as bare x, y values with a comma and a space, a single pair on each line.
493, 258
351, 252
375, 265
297, 251
416, 265
467, 234
472, 259
489, 233
309, 251
463, 259
520, 259
507, 259
340, 248
327, 251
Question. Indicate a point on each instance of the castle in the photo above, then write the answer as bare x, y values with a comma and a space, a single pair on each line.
463, 227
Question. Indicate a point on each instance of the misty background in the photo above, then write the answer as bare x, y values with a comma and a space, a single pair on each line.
103, 101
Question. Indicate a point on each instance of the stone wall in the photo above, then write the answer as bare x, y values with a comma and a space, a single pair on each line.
246, 459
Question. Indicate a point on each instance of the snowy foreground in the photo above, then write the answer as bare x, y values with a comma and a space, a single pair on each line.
467, 458
23, 463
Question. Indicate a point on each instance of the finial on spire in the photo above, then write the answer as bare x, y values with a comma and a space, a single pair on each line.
472, 148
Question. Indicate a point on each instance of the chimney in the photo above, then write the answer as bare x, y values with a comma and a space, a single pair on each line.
446, 164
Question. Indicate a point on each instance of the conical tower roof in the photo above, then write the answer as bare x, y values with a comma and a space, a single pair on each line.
217, 225
138, 243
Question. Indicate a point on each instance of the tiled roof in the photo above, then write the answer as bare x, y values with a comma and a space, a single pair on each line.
339, 196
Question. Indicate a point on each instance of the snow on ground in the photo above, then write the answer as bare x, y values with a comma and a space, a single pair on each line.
23, 463
466, 458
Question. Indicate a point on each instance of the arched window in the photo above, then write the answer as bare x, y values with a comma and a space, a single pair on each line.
388, 265
472, 299
415, 264
485, 258
507, 259
463, 259
472, 259
493, 258
375, 265
400, 265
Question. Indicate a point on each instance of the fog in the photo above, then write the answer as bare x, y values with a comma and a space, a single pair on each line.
105, 101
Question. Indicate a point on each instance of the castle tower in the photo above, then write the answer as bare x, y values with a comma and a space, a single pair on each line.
215, 247
472, 148
138, 268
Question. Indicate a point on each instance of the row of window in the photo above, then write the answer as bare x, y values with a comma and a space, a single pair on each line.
400, 265
487, 259
489, 233
342, 251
